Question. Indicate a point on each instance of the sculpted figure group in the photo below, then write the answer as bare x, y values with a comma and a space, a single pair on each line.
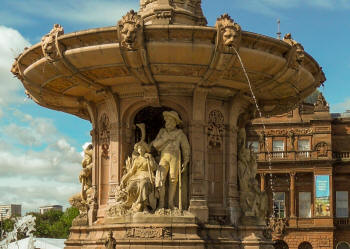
143, 187
253, 201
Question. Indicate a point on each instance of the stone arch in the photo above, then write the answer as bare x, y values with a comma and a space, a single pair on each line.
280, 244
343, 245
305, 245
130, 113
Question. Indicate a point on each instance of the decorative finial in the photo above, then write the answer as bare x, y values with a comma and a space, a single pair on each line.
278, 29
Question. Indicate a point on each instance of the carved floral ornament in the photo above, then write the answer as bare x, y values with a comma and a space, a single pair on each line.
216, 129
286, 132
129, 28
49, 43
277, 227
229, 33
104, 135
322, 149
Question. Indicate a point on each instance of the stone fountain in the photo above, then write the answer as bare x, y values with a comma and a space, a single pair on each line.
168, 100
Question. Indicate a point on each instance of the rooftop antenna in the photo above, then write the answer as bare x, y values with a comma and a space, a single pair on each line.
278, 29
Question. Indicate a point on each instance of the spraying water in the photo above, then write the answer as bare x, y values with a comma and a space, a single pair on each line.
25, 224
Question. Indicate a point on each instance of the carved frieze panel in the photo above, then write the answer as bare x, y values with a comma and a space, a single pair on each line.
216, 129
286, 132
148, 232
178, 70
104, 135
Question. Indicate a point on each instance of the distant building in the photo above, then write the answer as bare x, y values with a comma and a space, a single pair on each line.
44, 209
6, 211
303, 161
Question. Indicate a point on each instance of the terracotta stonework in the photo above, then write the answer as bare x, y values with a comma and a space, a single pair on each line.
293, 170
168, 101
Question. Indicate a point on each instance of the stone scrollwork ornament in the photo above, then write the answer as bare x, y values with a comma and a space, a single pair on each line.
297, 54
229, 33
215, 129
129, 31
105, 128
50, 45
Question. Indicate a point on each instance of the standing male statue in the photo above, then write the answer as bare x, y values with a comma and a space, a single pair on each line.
175, 151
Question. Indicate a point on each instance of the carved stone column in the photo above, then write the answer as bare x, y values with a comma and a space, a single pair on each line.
262, 182
292, 194
172, 12
199, 185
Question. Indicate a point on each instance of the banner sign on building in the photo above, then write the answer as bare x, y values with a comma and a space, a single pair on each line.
322, 200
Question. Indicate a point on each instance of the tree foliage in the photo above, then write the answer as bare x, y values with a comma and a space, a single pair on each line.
52, 224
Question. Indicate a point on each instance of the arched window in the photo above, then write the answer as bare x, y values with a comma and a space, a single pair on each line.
280, 244
305, 245
343, 245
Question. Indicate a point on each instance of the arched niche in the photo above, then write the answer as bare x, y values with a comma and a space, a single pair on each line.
153, 119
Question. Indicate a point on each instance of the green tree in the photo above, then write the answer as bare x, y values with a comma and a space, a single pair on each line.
54, 224
6, 226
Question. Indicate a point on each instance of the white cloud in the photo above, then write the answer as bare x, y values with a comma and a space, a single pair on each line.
35, 178
11, 43
341, 107
38, 165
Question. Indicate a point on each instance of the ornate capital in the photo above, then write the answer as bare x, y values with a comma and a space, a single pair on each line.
229, 33
130, 31
49, 43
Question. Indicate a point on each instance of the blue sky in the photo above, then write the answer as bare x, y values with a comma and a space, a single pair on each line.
40, 149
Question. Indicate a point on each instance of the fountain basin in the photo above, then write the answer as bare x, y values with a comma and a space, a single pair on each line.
178, 59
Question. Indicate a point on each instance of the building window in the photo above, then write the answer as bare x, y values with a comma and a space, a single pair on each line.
305, 204
254, 145
278, 145
342, 203
279, 206
343, 245
304, 147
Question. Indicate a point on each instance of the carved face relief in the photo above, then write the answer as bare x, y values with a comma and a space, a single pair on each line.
128, 28
128, 35
170, 123
229, 32
229, 37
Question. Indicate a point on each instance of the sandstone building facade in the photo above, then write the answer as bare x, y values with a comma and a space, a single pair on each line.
304, 165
